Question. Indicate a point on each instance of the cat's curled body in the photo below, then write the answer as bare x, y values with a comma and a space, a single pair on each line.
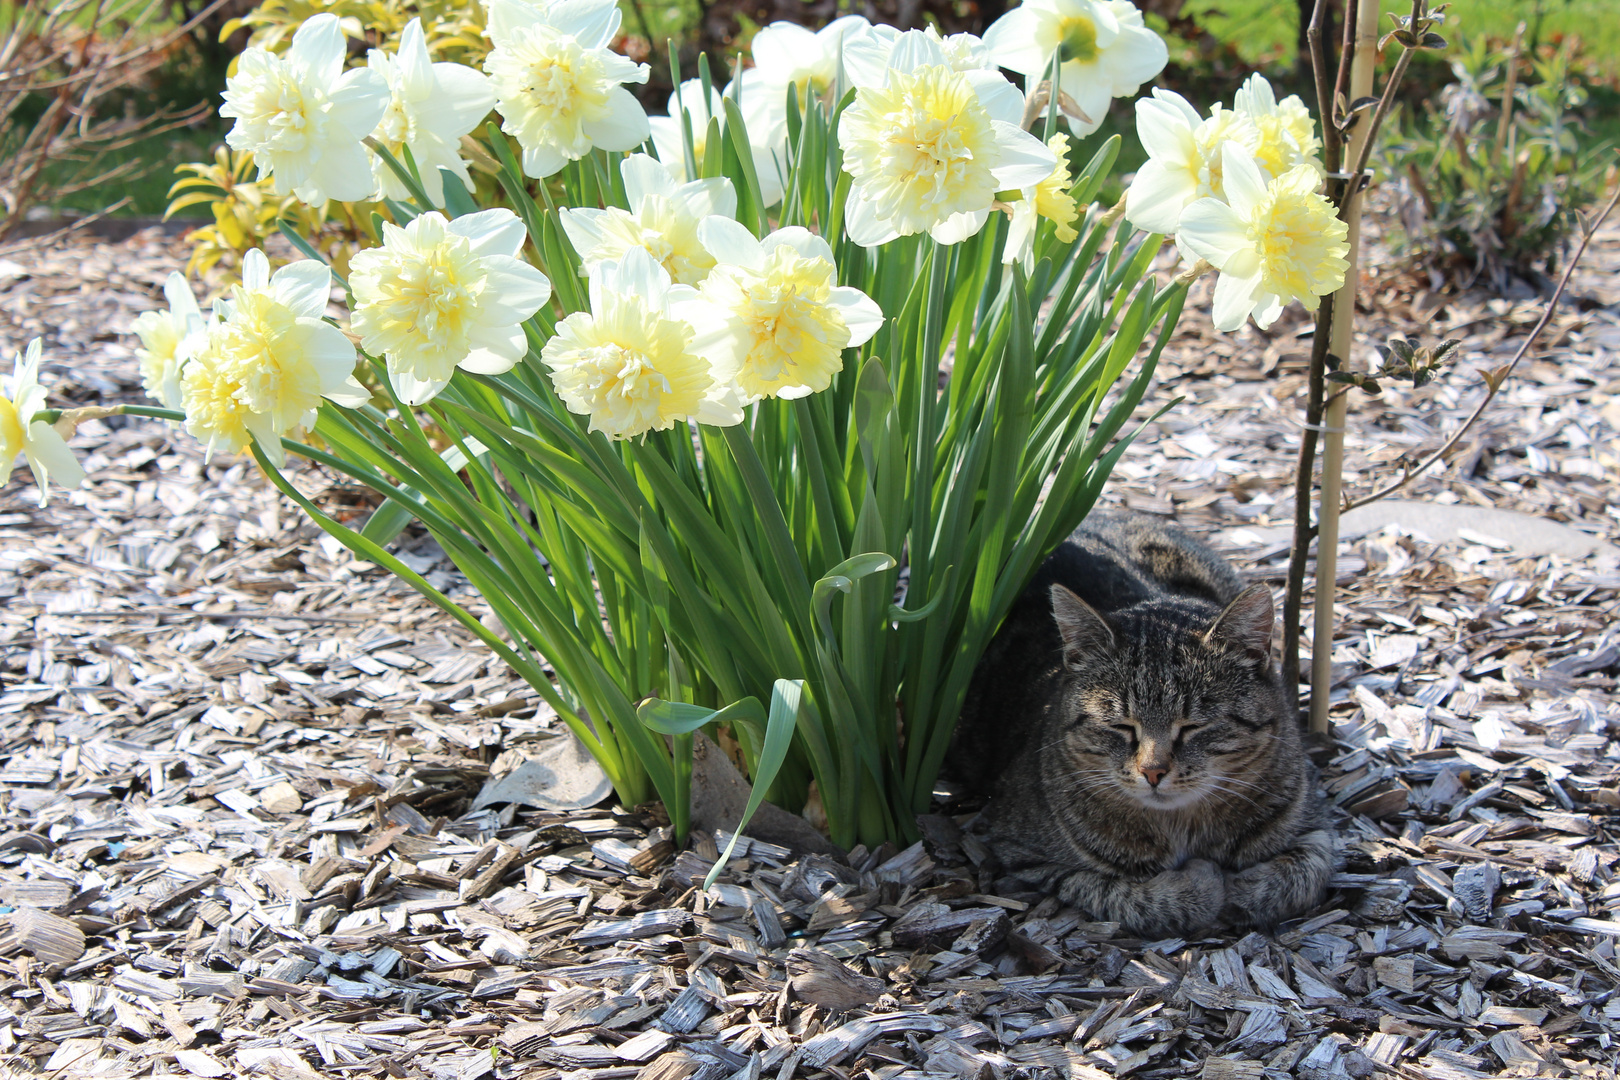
1143, 761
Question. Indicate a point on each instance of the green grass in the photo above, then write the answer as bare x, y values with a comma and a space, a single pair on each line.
1264, 32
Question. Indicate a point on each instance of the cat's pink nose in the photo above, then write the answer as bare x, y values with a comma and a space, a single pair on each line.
1154, 774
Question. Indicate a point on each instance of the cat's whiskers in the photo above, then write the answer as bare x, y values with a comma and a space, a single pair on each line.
1217, 786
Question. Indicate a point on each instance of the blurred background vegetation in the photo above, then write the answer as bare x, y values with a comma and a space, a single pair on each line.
1214, 45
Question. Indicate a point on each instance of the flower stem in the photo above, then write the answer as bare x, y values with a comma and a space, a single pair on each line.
152, 411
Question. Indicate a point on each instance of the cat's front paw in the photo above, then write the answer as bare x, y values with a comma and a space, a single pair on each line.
1292, 883
1179, 901
1202, 883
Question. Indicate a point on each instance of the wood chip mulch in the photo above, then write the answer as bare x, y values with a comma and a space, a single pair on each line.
237, 774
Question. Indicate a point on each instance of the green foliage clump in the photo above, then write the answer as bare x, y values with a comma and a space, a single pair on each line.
1488, 184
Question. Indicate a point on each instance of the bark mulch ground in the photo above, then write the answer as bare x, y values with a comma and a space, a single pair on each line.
239, 774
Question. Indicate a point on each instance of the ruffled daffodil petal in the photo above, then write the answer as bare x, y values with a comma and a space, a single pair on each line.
1184, 162
441, 294
559, 87
628, 363
776, 323
431, 106
267, 360
1285, 134
927, 155
1273, 242
663, 220
1049, 199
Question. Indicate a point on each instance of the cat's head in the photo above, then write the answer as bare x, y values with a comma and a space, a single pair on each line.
1167, 703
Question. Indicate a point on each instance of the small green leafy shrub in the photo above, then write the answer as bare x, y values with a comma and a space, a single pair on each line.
1488, 184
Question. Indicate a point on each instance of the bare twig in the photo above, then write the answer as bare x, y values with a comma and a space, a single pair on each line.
1304, 529
1385, 103
1324, 95
1500, 375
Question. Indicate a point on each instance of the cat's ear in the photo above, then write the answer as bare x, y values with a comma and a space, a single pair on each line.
1246, 624
1085, 634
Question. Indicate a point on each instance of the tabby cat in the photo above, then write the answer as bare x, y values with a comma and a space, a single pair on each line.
1142, 757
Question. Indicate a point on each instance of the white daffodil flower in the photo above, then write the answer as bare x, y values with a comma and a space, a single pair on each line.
776, 322
628, 363
1104, 49
431, 106
1272, 242
929, 149
669, 137
441, 295
663, 220
167, 341
559, 87
867, 52
786, 54
303, 117
46, 451
1184, 162
1285, 133
268, 359
1049, 199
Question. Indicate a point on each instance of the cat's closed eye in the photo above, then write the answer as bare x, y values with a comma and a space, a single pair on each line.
1126, 731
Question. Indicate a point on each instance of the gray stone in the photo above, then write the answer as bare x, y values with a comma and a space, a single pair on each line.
1506, 530
561, 776
720, 795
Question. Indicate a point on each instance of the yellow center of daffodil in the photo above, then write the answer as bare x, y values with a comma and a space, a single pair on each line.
1287, 137
1275, 151
273, 379
397, 126
627, 367
1052, 198
1077, 39
215, 411
273, 110
922, 147
421, 305
1298, 238
668, 233
1208, 136
549, 88
792, 338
